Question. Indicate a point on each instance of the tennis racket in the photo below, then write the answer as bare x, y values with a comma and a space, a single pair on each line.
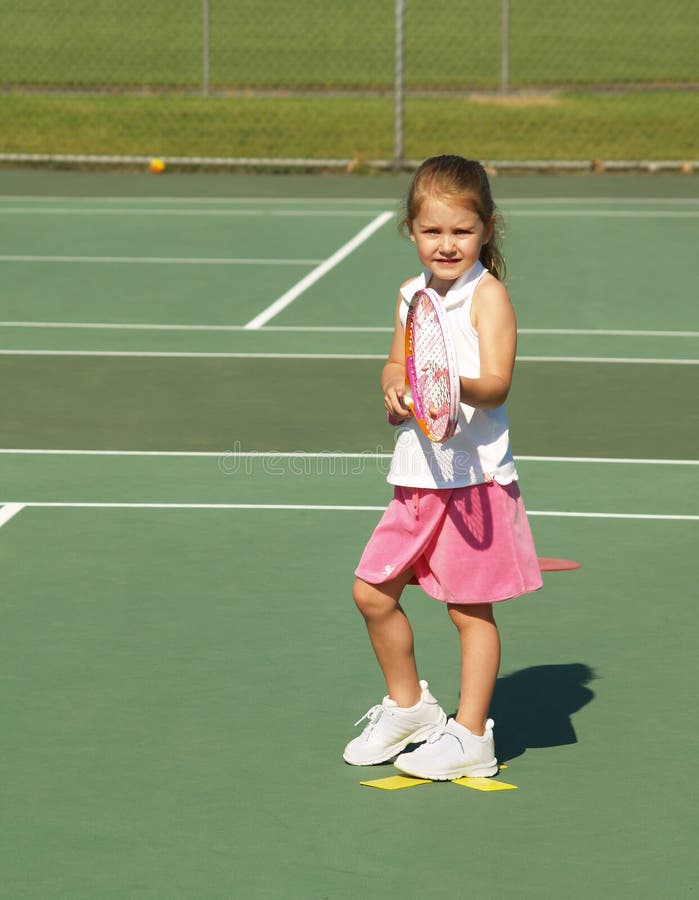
432, 377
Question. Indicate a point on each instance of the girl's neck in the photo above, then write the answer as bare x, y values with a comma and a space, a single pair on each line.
439, 285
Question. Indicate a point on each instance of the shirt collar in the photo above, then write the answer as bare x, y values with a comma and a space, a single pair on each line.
455, 294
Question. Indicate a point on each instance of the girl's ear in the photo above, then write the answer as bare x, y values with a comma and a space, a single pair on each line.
409, 225
489, 230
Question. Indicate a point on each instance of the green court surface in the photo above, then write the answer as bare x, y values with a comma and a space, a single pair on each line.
192, 455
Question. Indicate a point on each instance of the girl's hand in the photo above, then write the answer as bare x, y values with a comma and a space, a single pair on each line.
393, 375
394, 392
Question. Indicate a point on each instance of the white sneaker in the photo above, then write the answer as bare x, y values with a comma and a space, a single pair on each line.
391, 728
452, 752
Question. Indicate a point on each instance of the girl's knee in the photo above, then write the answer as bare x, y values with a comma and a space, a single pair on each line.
471, 615
370, 601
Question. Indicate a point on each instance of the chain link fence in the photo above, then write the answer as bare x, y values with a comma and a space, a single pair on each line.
372, 83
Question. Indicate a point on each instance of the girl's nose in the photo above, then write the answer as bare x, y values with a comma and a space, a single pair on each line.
447, 244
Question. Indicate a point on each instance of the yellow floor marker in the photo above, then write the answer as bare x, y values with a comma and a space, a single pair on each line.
484, 784
395, 782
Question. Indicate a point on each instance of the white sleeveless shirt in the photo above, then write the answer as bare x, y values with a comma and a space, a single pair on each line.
480, 449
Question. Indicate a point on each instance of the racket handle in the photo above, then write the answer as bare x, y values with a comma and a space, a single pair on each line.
393, 420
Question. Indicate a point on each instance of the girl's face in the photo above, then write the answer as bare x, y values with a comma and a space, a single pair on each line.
448, 237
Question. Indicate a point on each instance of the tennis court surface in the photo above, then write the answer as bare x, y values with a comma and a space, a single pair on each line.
192, 455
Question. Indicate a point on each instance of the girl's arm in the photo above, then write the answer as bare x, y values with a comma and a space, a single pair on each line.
393, 374
494, 319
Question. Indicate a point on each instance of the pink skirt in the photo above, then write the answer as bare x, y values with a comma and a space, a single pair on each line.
464, 545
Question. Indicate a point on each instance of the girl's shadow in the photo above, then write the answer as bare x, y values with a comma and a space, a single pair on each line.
532, 707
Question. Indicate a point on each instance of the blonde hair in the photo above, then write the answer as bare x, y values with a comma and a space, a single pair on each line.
465, 181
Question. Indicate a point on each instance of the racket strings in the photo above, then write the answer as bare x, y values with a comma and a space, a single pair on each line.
431, 365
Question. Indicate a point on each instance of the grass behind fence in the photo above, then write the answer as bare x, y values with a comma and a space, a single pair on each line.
566, 126
146, 60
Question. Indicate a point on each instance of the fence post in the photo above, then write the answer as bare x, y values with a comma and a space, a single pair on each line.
205, 49
505, 47
399, 85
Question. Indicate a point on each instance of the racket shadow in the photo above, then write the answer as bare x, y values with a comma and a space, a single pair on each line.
532, 708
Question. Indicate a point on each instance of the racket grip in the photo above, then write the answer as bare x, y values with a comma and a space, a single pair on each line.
393, 420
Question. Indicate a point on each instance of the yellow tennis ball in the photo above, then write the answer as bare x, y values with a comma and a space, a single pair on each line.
156, 166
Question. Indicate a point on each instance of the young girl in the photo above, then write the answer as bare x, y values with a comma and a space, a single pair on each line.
456, 525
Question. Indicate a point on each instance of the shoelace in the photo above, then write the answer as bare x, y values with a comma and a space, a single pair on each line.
373, 715
439, 734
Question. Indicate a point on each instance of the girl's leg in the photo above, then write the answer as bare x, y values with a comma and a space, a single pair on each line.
480, 661
391, 636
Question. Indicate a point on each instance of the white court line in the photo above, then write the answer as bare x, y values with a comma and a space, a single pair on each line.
330, 329
8, 511
163, 260
127, 326
603, 214
329, 508
215, 454
332, 356
604, 332
611, 359
188, 213
609, 460
216, 201
192, 355
346, 213
380, 201
328, 454
591, 201
601, 515
310, 279
213, 506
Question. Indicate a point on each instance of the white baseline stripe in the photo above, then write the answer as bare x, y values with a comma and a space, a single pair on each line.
600, 515
241, 213
327, 508
605, 213
322, 454
163, 260
357, 356
193, 355
302, 329
244, 201
554, 201
321, 213
380, 201
610, 359
215, 454
337, 257
127, 326
610, 460
224, 506
33, 199
602, 332
8, 511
